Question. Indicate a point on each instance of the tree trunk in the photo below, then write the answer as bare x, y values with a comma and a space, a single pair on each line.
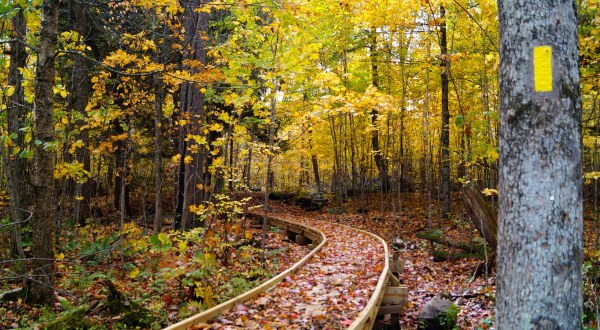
445, 136
80, 90
315, 166
269, 179
17, 109
158, 167
540, 217
42, 226
120, 170
378, 155
481, 214
192, 105
315, 163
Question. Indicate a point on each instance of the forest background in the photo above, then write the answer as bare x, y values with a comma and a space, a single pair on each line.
168, 112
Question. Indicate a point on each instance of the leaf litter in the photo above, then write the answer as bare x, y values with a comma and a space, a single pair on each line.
328, 292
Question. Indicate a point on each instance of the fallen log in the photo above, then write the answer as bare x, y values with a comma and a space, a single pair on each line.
73, 319
450, 256
436, 237
481, 214
126, 311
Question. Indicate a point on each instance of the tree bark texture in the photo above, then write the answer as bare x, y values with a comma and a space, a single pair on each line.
192, 105
81, 89
42, 227
481, 214
445, 134
16, 166
540, 216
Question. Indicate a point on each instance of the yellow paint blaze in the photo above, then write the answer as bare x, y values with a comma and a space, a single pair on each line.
542, 68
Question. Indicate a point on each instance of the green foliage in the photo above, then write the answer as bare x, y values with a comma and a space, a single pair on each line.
487, 323
236, 286
591, 285
448, 319
160, 242
72, 319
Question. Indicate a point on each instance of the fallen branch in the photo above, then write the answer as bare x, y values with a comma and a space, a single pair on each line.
11, 295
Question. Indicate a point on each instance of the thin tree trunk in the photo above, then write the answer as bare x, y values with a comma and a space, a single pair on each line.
426, 142
378, 155
158, 167
15, 165
445, 136
269, 179
41, 288
81, 90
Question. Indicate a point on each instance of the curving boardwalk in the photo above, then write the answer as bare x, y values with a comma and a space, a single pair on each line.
340, 284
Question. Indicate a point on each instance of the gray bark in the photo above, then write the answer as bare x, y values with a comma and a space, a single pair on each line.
42, 226
540, 214
15, 165
81, 89
192, 103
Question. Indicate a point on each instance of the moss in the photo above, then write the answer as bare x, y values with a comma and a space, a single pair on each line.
448, 318
73, 319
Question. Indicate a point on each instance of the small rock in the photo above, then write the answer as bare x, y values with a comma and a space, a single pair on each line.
438, 314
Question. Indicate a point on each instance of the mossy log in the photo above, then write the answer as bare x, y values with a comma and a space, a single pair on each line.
73, 319
127, 312
449, 256
437, 237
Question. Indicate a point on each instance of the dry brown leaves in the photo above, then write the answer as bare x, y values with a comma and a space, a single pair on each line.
329, 291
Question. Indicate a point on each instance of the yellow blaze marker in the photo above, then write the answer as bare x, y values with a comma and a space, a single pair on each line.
542, 68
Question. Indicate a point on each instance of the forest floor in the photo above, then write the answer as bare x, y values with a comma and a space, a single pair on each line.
453, 279
171, 276
424, 277
148, 281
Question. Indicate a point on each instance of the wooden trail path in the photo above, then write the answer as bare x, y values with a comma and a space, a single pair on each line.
344, 282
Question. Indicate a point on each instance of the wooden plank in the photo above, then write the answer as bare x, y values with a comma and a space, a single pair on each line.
390, 309
393, 280
366, 318
302, 240
397, 266
395, 295
224, 307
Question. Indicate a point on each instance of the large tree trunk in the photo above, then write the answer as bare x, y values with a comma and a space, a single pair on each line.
192, 105
42, 226
445, 136
15, 165
540, 217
